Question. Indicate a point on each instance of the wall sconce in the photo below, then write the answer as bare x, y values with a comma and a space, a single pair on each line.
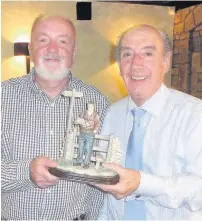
21, 48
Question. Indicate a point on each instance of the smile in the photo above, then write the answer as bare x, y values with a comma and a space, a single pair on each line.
138, 78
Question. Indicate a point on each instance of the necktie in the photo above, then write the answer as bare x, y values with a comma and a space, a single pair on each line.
134, 209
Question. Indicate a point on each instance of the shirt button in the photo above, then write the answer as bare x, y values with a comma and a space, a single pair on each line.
48, 191
52, 104
138, 196
51, 132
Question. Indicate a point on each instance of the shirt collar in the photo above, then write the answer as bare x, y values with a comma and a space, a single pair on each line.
155, 104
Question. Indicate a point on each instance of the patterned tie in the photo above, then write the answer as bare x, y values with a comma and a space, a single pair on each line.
134, 209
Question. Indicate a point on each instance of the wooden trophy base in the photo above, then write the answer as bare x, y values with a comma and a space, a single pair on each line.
84, 178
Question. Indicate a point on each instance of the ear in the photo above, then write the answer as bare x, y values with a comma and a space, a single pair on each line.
30, 51
167, 62
119, 66
74, 53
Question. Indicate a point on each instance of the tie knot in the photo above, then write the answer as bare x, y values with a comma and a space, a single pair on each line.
138, 113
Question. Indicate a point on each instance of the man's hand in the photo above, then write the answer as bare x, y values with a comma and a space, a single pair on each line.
39, 172
128, 182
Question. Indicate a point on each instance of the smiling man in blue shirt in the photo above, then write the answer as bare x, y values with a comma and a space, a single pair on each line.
169, 184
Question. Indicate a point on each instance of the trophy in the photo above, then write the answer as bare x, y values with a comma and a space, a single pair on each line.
83, 166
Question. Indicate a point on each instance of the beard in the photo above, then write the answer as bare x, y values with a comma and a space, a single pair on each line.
51, 73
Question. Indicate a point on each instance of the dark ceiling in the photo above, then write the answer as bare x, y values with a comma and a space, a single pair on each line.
178, 4
84, 8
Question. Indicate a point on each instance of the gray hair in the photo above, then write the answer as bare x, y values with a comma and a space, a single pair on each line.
167, 42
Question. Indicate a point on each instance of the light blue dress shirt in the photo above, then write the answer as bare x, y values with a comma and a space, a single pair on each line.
171, 180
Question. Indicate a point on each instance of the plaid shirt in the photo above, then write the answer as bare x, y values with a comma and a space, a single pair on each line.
34, 125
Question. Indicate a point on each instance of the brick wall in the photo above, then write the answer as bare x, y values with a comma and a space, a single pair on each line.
187, 51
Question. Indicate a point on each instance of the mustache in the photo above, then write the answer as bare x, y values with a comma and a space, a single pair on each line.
52, 56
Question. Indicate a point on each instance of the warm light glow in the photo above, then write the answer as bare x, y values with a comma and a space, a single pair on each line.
115, 29
171, 11
110, 78
19, 34
17, 67
20, 59
22, 38
115, 74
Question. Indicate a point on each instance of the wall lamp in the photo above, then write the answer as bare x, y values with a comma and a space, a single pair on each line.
21, 48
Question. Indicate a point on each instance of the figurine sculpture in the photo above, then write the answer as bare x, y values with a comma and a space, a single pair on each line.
89, 123
83, 167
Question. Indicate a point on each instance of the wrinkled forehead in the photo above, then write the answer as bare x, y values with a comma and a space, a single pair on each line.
141, 37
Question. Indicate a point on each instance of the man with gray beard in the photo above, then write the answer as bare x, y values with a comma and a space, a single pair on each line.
33, 128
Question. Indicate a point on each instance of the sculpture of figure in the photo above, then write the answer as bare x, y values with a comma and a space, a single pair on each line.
89, 122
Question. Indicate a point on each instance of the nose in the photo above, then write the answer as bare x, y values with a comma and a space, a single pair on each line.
138, 60
52, 46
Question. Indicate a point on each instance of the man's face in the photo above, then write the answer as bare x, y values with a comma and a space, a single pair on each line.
142, 63
53, 47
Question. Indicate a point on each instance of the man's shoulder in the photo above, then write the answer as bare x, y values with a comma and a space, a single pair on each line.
119, 105
13, 82
185, 101
183, 98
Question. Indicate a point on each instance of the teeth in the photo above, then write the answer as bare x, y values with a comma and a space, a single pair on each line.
138, 77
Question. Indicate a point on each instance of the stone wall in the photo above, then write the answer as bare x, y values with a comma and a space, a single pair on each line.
187, 51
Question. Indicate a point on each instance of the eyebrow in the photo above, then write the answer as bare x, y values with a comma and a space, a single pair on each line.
125, 48
153, 47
